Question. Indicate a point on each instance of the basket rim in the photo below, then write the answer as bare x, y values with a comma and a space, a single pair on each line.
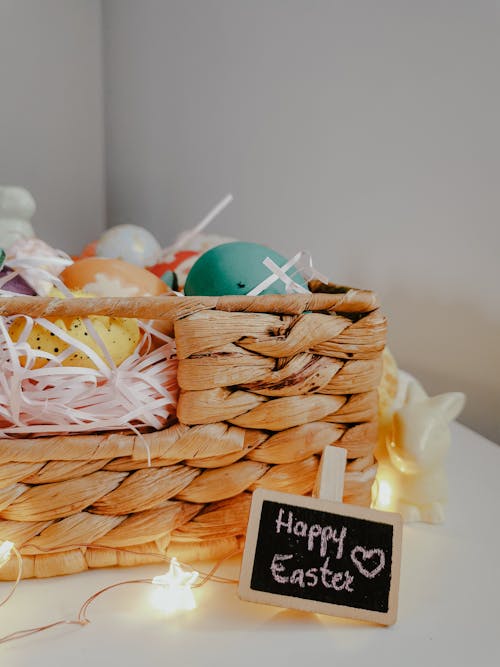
172, 307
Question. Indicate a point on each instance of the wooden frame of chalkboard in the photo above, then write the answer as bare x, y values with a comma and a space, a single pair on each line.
321, 556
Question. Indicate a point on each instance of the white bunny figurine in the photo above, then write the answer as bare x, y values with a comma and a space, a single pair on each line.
17, 207
412, 465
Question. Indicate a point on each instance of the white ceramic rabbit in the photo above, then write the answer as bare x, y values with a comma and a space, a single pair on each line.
412, 477
17, 207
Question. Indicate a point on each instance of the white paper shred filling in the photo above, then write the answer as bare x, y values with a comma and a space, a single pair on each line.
142, 391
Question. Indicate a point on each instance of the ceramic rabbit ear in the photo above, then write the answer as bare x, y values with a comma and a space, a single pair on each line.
450, 405
415, 393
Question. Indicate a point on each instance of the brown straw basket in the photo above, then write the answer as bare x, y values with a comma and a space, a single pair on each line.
266, 383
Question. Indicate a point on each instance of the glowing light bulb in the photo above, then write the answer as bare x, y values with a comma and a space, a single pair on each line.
387, 489
384, 496
5, 552
174, 592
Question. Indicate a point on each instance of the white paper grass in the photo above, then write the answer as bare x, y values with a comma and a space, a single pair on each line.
142, 391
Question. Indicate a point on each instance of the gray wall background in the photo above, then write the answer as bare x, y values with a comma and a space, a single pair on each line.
365, 132
51, 114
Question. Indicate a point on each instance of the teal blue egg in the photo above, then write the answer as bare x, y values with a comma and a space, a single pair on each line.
170, 279
236, 268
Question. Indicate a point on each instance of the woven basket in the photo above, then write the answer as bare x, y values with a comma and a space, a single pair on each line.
266, 383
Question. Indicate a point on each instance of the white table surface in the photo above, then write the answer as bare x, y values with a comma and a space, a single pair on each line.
449, 603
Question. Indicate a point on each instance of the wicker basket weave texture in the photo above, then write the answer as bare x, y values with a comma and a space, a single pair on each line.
266, 383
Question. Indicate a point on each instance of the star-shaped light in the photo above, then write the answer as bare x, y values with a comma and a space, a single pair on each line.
174, 592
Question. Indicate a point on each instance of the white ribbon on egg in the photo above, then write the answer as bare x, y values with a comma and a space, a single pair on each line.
306, 268
303, 264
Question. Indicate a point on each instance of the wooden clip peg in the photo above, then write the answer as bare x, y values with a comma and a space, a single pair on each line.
329, 483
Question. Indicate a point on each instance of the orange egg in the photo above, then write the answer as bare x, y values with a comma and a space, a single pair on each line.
112, 277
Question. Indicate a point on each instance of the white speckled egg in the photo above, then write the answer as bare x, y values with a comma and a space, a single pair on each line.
130, 243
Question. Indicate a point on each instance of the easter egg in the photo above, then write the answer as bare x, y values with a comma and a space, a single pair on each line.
236, 268
112, 277
119, 335
34, 260
181, 259
130, 243
170, 279
88, 251
16, 284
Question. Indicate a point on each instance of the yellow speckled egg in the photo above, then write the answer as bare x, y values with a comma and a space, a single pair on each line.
112, 277
120, 337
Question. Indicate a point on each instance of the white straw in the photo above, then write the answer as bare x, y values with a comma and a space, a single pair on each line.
184, 238
279, 273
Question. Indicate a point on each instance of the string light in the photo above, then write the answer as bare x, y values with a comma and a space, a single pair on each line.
174, 589
7, 548
386, 490
384, 495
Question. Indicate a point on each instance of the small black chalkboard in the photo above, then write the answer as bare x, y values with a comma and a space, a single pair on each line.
317, 555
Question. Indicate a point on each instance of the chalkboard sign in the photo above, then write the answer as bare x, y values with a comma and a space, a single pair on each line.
317, 555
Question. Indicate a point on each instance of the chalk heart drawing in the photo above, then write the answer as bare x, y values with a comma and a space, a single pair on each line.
359, 556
